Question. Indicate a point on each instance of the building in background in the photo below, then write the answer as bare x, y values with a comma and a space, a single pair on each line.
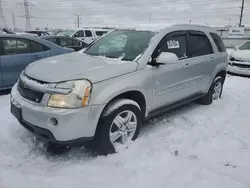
233, 36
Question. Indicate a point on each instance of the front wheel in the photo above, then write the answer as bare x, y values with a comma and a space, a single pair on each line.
119, 125
214, 92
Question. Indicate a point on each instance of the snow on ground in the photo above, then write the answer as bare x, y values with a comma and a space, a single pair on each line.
193, 146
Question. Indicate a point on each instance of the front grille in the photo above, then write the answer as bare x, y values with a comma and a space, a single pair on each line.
28, 93
240, 65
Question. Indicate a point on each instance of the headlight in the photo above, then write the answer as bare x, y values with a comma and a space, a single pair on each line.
78, 97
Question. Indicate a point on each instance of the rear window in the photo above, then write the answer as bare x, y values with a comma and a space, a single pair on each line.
219, 43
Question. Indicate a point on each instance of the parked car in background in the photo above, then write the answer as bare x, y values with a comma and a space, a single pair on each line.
17, 51
86, 35
38, 33
66, 42
239, 60
127, 76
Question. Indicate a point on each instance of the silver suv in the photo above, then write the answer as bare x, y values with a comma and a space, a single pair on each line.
105, 93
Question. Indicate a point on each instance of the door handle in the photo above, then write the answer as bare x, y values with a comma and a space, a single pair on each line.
212, 58
186, 66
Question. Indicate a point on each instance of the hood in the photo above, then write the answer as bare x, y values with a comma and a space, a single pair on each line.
78, 66
241, 55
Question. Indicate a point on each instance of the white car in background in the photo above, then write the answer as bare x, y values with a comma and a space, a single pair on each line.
239, 60
86, 35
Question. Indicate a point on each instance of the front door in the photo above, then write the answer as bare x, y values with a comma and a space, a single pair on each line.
18, 53
172, 80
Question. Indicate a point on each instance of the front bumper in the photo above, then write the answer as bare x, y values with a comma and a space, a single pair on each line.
74, 125
233, 68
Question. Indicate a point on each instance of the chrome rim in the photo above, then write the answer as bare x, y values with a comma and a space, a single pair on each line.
123, 128
217, 90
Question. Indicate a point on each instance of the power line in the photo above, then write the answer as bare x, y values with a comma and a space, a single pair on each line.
159, 15
139, 6
158, 3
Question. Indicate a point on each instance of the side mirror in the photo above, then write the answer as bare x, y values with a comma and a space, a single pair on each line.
236, 47
167, 57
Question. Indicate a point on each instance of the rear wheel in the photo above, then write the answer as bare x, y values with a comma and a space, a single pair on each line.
214, 92
119, 125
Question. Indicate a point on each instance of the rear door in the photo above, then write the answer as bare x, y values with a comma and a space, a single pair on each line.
89, 36
200, 55
17, 54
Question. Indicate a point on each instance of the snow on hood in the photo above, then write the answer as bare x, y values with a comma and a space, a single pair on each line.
242, 55
78, 66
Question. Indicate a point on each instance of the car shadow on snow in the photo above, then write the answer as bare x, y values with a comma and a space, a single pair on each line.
38, 147
165, 119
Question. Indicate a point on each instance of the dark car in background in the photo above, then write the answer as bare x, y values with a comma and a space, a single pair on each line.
38, 33
68, 42
17, 51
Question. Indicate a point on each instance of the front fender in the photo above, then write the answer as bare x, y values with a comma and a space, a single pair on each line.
105, 91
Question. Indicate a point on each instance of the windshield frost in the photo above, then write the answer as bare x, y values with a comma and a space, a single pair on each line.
121, 44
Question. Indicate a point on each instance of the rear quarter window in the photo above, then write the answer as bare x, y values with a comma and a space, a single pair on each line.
218, 42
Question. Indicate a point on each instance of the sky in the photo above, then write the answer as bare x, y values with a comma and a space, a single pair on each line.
113, 13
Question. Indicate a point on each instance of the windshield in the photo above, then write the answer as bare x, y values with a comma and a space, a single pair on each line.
122, 44
245, 46
66, 33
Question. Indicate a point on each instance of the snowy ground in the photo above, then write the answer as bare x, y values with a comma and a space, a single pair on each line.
193, 146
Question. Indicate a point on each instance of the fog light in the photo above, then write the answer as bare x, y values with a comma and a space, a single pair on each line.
53, 121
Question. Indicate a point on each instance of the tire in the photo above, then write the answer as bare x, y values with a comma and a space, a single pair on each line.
107, 127
209, 97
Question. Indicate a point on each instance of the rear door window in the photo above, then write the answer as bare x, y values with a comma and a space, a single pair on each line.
219, 43
88, 33
66, 42
198, 44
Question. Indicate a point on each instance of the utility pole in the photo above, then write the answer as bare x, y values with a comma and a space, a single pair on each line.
2, 19
14, 21
241, 13
27, 15
77, 20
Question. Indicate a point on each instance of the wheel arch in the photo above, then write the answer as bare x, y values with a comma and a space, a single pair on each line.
133, 95
223, 74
